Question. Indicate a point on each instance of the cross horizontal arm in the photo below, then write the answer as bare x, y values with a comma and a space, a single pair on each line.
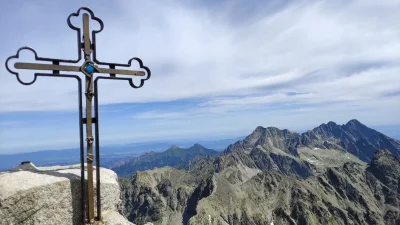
123, 72
37, 66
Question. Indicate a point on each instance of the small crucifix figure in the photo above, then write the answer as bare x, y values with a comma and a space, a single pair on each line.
89, 68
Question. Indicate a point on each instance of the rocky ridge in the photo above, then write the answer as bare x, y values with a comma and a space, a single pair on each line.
353, 137
277, 176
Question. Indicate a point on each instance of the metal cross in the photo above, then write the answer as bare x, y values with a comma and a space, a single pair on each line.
89, 68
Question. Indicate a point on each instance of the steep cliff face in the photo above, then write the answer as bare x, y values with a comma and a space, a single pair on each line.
384, 179
51, 195
163, 195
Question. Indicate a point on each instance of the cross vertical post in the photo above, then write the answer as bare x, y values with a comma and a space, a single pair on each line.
89, 68
89, 135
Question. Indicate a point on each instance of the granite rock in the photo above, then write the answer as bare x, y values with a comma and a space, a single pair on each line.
51, 195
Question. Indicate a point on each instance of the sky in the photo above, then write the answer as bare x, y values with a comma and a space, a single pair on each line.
219, 69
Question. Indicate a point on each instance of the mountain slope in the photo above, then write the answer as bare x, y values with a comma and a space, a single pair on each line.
174, 156
349, 194
268, 149
354, 137
277, 176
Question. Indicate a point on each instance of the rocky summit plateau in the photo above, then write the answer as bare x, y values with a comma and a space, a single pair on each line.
332, 174
51, 195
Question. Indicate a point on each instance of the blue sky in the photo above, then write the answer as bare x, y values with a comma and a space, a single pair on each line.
219, 69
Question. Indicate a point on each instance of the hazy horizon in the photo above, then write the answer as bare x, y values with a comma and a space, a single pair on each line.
390, 131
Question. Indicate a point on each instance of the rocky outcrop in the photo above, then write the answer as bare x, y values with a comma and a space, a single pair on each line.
350, 193
51, 195
347, 194
160, 195
383, 175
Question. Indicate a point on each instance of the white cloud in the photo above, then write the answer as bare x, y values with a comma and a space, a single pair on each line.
338, 53
204, 55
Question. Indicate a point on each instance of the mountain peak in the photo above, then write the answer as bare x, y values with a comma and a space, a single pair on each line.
265, 129
173, 147
259, 128
149, 153
197, 145
354, 123
359, 130
261, 132
273, 129
331, 124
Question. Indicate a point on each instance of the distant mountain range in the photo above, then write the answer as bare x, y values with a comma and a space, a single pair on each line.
352, 137
109, 154
174, 156
332, 174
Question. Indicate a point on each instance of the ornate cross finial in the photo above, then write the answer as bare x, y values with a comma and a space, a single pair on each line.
89, 66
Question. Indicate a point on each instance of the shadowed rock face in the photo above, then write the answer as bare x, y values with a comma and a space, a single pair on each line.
277, 176
385, 168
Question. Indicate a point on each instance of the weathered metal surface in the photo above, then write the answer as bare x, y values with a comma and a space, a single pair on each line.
66, 68
38, 66
86, 37
122, 72
89, 135
88, 49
